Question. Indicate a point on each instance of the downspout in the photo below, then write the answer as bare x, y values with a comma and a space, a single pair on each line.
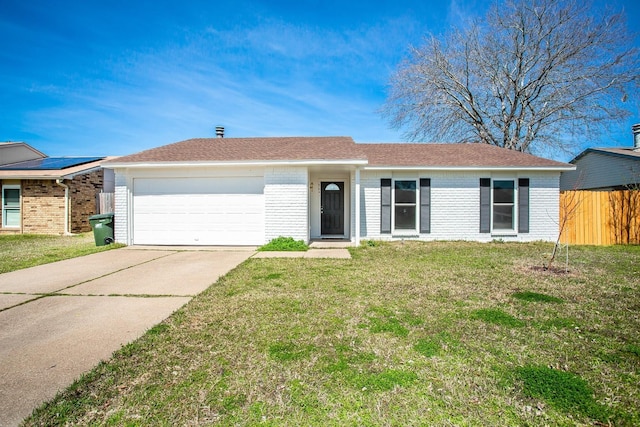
357, 203
61, 183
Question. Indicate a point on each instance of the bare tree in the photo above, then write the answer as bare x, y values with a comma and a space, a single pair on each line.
569, 206
528, 77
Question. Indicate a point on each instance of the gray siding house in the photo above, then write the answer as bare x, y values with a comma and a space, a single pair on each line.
605, 168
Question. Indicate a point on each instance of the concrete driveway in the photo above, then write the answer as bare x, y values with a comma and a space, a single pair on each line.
59, 320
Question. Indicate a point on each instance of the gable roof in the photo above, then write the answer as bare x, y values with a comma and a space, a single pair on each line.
250, 149
334, 150
453, 156
11, 152
49, 163
627, 152
51, 167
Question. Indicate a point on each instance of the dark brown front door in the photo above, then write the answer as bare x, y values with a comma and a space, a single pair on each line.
332, 208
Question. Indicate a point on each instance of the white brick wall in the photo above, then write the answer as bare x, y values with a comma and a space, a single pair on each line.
544, 207
455, 205
121, 225
286, 194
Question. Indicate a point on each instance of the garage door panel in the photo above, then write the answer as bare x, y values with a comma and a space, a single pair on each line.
205, 186
199, 211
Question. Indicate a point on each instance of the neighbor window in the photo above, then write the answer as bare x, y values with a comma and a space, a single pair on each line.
11, 206
405, 205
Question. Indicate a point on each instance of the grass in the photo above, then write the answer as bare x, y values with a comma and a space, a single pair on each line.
18, 251
284, 244
401, 334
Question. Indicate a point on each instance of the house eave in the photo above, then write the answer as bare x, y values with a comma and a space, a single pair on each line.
604, 152
164, 165
474, 168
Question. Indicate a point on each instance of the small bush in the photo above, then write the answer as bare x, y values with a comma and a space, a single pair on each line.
284, 244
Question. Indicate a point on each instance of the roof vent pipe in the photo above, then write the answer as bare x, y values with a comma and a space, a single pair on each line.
219, 131
636, 136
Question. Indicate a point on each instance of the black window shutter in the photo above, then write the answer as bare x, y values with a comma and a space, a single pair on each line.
485, 205
385, 205
523, 205
425, 205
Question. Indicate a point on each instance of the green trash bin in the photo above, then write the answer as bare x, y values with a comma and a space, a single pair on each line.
102, 226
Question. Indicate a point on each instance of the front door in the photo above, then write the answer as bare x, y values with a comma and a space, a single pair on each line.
332, 208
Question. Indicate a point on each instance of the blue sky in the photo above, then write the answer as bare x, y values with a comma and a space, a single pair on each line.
116, 77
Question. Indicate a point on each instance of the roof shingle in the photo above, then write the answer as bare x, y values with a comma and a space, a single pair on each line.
337, 149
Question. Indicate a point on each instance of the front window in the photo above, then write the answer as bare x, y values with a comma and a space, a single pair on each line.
503, 205
405, 205
11, 206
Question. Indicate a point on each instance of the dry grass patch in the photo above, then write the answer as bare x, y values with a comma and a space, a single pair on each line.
401, 334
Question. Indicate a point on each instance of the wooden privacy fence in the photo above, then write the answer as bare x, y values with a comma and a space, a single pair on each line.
105, 202
600, 217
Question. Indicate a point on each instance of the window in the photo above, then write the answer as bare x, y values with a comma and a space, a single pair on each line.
503, 205
405, 205
399, 210
11, 206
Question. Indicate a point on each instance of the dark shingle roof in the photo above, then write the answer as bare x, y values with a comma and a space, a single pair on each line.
250, 149
630, 153
337, 149
451, 155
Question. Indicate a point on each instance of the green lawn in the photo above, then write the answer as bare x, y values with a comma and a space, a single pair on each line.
27, 250
402, 334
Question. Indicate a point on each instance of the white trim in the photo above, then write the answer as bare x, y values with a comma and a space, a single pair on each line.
357, 208
345, 198
471, 168
346, 162
2, 208
66, 205
514, 220
405, 232
150, 165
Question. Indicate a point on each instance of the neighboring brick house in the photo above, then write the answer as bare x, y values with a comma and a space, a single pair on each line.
48, 195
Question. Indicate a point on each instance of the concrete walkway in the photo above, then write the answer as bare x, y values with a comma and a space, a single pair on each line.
59, 320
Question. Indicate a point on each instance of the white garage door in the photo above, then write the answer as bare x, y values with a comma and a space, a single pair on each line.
198, 211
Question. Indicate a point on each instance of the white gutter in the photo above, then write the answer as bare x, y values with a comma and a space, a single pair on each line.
60, 182
151, 165
472, 168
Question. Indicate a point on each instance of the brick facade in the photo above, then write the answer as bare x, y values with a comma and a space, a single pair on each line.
43, 204
83, 190
42, 207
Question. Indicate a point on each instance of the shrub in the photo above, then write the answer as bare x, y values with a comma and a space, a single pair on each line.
284, 244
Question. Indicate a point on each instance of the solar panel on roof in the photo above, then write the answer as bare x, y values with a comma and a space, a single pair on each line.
50, 163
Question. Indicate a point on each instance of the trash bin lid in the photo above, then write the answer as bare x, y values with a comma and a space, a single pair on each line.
102, 216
